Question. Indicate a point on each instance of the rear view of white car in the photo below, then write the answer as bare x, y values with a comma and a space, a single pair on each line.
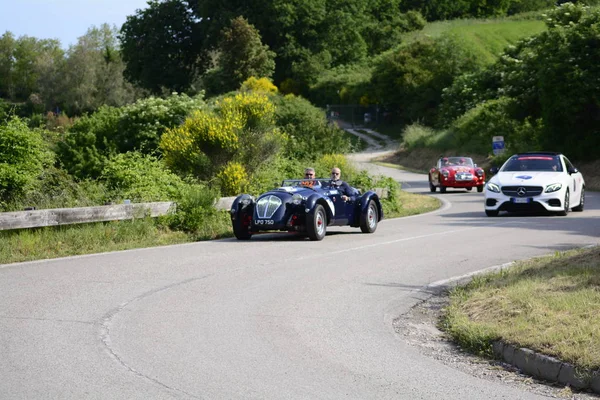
538, 181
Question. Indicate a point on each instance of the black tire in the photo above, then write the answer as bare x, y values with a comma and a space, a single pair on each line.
566, 205
431, 187
316, 227
479, 189
240, 231
368, 222
581, 202
492, 213
469, 189
442, 188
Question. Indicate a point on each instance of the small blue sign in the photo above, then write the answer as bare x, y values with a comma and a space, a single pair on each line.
498, 144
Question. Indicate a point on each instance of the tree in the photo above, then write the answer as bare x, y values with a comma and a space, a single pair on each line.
94, 73
7, 54
241, 56
162, 47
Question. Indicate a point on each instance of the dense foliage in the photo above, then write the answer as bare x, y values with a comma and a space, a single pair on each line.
94, 138
241, 55
23, 156
544, 90
167, 44
140, 178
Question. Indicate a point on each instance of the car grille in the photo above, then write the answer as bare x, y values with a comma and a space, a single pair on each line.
266, 206
522, 191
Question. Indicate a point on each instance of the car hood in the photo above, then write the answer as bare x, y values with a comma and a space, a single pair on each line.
529, 178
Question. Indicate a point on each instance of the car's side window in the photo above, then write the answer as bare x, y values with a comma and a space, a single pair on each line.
569, 168
568, 163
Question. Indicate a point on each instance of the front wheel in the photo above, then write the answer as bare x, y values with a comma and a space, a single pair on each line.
241, 226
491, 213
479, 189
469, 189
316, 227
431, 187
566, 205
368, 221
581, 201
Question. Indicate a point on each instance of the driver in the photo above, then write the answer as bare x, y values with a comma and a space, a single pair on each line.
309, 175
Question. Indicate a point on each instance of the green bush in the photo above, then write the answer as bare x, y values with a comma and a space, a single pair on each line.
411, 78
55, 188
23, 156
195, 207
419, 136
306, 126
95, 138
473, 132
140, 178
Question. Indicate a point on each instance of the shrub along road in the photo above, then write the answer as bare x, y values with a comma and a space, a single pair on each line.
273, 317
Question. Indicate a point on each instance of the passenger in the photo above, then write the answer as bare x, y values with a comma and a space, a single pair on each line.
347, 192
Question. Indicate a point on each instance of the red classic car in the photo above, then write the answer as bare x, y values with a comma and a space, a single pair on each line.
456, 172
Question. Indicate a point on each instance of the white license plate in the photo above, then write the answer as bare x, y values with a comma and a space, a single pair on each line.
264, 222
521, 200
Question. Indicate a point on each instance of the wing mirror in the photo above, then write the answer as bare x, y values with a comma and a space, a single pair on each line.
572, 170
494, 170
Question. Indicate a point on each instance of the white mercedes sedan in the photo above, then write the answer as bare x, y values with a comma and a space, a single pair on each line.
537, 181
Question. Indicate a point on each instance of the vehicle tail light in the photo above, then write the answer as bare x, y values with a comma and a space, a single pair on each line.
246, 220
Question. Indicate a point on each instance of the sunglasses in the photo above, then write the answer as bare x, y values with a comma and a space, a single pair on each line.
335, 173
309, 175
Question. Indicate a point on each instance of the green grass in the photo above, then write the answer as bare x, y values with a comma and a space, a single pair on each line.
485, 38
413, 204
69, 240
550, 305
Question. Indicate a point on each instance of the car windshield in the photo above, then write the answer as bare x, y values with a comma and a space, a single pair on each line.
305, 182
454, 161
533, 163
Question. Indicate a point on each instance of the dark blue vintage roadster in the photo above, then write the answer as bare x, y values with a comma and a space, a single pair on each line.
304, 206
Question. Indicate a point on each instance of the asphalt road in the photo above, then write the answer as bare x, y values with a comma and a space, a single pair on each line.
276, 317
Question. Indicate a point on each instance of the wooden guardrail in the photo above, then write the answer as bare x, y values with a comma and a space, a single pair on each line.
81, 215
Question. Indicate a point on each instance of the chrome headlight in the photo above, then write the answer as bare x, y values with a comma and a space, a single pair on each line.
445, 173
297, 199
492, 187
553, 188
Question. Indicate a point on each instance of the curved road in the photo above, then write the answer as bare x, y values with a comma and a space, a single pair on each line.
274, 318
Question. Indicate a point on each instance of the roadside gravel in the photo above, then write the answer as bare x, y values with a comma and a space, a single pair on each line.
419, 328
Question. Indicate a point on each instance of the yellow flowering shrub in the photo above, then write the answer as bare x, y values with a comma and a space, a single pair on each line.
233, 179
230, 141
255, 108
253, 84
